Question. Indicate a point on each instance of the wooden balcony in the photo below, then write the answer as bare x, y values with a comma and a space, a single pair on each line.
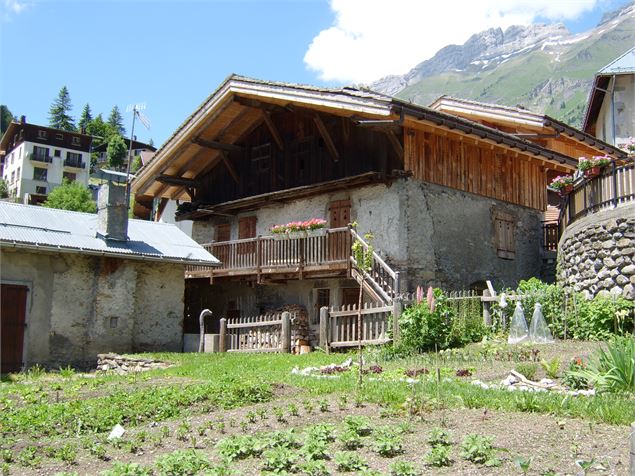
274, 258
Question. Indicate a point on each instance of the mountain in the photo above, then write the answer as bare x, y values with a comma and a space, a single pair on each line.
544, 68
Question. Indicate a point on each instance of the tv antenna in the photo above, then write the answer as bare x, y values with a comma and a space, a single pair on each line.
136, 113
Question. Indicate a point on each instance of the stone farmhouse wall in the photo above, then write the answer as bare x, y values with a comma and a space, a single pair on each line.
596, 254
80, 306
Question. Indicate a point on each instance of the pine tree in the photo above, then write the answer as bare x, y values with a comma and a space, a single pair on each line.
5, 118
59, 114
116, 121
85, 118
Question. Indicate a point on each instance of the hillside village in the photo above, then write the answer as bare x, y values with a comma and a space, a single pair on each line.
329, 280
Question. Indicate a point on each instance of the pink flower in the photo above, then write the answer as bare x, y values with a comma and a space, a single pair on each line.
430, 298
419, 294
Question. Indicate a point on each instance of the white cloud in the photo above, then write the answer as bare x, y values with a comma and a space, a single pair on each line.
11, 7
373, 38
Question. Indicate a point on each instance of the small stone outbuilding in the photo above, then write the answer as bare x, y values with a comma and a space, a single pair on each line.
74, 285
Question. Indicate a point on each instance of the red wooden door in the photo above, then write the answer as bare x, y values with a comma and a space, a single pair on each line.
12, 316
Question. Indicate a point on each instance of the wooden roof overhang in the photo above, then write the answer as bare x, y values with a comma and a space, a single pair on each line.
254, 202
232, 112
463, 129
533, 125
594, 103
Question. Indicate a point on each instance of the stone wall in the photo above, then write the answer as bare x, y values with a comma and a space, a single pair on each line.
596, 254
80, 306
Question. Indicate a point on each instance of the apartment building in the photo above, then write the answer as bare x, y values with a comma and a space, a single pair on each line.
36, 159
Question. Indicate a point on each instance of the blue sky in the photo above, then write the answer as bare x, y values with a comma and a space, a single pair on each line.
172, 54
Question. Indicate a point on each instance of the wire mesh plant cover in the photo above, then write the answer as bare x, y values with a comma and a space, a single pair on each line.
539, 332
518, 330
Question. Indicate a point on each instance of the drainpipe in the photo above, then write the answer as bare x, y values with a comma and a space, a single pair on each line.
613, 109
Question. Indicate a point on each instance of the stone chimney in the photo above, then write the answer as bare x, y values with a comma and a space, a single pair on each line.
22, 119
112, 212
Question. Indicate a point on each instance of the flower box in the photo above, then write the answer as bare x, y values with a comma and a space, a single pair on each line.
566, 190
592, 172
299, 229
299, 234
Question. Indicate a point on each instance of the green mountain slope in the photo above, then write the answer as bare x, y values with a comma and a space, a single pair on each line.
552, 78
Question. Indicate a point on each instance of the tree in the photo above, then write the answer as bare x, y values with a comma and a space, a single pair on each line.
4, 189
5, 118
151, 142
116, 121
85, 118
116, 151
59, 114
136, 164
71, 196
100, 131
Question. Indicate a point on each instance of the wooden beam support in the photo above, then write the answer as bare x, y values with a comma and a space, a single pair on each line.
273, 129
182, 181
212, 144
395, 143
328, 141
230, 167
255, 104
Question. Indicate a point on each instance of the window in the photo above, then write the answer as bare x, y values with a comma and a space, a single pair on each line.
59, 136
57, 153
76, 141
223, 232
73, 156
71, 177
40, 152
504, 229
41, 134
40, 174
17, 175
39, 190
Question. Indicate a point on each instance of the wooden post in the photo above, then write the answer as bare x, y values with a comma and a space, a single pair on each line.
487, 316
286, 332
397, 307
222, 341
324, 328
397, 289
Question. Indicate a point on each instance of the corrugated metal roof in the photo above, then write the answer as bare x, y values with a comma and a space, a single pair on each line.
33, 227
622, 64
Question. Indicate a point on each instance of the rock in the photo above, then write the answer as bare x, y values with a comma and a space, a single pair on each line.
116, 432
628, 270
609, 263
623, 243
621, 280
629, 292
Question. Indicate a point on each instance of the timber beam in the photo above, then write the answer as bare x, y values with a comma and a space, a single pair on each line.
255, 104
328, 141
180, 181
215, 145
273, 130
230, 167
395, 143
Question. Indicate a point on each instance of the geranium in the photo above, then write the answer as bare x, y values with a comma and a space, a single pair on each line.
561, 182
294, 226
597, 161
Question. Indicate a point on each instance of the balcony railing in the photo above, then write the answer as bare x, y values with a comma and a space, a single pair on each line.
267, 255
78, 164
40, 157
616, 185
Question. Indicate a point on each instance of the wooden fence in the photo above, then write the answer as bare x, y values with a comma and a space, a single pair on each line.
266, 333
338, 326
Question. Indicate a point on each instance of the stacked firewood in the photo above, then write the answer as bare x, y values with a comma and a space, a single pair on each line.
301, 334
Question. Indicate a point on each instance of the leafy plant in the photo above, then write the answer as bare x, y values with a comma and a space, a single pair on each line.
387, 444
279, 459
6, 455
315, 449
321, 432
572, 377
421, 328
251, 416
238, 447
523, 464
313, 468
28, 457
127, 469
612, 369
438, 456
281, 439
323, 405
403, 468
182, 462
551, 367
293, 409
478, 449
360, 425
438, 436
527, 369
350, 439
347, 461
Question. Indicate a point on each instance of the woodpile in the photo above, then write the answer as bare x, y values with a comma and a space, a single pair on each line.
302, 337
122, 365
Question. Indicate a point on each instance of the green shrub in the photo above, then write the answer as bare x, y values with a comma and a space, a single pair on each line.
601, 318
350, 440
182, 462
572, 378
402, 468
551, 367
478, 449
527, 369
612, 369
387, 444
127, 469
347, 462
313, 468
421, 328
314, 449
439, 437
438, 456
321, 432
360, 425
279, 459
238, 447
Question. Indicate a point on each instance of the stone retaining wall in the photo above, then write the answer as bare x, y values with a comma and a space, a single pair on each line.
596, 254
122, 365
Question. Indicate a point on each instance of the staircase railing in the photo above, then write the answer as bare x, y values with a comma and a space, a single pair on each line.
380, 280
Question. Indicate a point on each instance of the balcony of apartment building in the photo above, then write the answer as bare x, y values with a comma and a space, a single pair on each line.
40, 155
74, 161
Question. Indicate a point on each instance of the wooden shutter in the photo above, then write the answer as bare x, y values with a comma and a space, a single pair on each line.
12, 321
223, 232
247, 227
340, 213
504, 224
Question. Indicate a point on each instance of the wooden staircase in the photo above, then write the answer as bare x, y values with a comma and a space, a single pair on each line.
380, 281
